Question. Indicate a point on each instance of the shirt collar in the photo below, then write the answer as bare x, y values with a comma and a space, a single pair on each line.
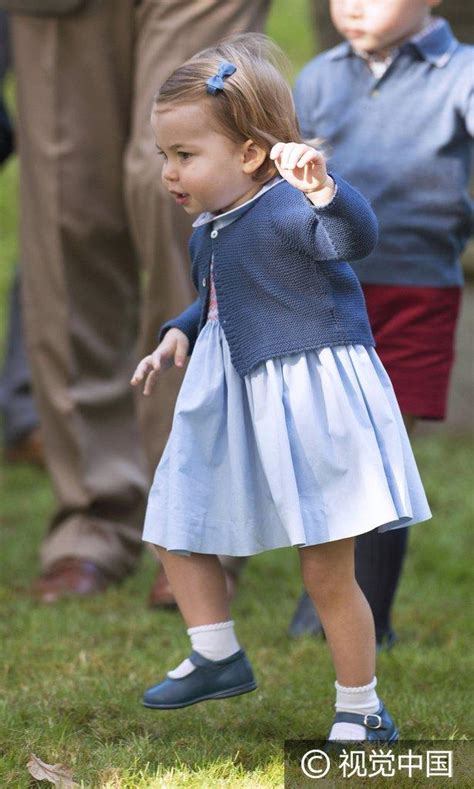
221, 220
436, 44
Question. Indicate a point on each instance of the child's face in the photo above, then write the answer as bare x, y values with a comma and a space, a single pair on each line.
203, 170
375, 25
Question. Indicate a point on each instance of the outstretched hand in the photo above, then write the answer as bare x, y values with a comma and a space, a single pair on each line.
302, 166
172, 350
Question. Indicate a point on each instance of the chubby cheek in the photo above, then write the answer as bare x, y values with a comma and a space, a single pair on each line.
337, 17
382, 22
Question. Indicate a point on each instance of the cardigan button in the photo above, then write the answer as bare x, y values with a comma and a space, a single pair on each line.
204, 282
214, 234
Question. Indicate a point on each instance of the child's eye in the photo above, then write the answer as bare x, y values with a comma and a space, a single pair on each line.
184, 155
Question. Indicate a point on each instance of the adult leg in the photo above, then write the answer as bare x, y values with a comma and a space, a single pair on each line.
80, 276
166, 35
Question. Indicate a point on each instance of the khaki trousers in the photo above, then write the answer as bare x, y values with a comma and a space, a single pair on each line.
104, 251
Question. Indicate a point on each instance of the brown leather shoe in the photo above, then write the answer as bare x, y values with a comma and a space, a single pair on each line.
70, 578
28, 449
161, 595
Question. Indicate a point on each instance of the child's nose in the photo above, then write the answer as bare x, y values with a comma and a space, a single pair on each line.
353, 7
169, 172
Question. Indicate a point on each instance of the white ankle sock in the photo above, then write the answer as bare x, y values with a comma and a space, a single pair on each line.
214, 642
361, 699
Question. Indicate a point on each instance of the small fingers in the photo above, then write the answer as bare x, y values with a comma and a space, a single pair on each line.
309, 156
142, 369
181, 352
294, 155
286, 155
148, 369
159, 362
150, 381
276, 150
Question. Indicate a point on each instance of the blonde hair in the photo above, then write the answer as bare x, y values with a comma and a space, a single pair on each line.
256, 102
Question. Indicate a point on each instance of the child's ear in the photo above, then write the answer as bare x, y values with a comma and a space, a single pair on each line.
252, 157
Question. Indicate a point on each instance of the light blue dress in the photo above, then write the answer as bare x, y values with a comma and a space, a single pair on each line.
306, 449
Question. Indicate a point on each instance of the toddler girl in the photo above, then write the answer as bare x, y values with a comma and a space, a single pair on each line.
286, 429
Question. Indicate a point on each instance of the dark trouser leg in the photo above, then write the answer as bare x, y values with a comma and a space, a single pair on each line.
19, 411
378, 563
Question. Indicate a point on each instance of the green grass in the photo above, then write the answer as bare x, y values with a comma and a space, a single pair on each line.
72, 675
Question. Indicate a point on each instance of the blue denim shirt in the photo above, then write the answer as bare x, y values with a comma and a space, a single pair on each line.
404, 140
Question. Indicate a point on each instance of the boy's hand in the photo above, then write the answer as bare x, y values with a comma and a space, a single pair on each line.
172, 349
305, 169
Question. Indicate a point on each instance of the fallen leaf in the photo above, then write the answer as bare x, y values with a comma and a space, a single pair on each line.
56, 774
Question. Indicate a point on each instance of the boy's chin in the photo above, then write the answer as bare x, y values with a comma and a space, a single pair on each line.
367, 44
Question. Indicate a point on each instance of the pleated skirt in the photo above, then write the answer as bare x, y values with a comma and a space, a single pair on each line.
306, 449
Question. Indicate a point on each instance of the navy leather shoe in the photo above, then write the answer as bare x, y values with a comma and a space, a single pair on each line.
379, 726
211, 679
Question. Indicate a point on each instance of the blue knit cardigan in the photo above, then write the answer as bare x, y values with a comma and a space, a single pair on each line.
281, 279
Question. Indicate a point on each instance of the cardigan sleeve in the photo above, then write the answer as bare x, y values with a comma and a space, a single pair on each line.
344, 229
187, 322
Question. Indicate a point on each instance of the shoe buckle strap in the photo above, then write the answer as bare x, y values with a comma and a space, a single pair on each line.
369, 721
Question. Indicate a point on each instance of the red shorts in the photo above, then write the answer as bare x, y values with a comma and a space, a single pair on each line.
414, 328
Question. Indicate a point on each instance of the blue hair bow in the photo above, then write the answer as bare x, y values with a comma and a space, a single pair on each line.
216, 83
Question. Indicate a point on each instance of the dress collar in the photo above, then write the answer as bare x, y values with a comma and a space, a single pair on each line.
221, 220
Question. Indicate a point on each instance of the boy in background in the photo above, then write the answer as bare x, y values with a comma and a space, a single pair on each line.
394, 105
